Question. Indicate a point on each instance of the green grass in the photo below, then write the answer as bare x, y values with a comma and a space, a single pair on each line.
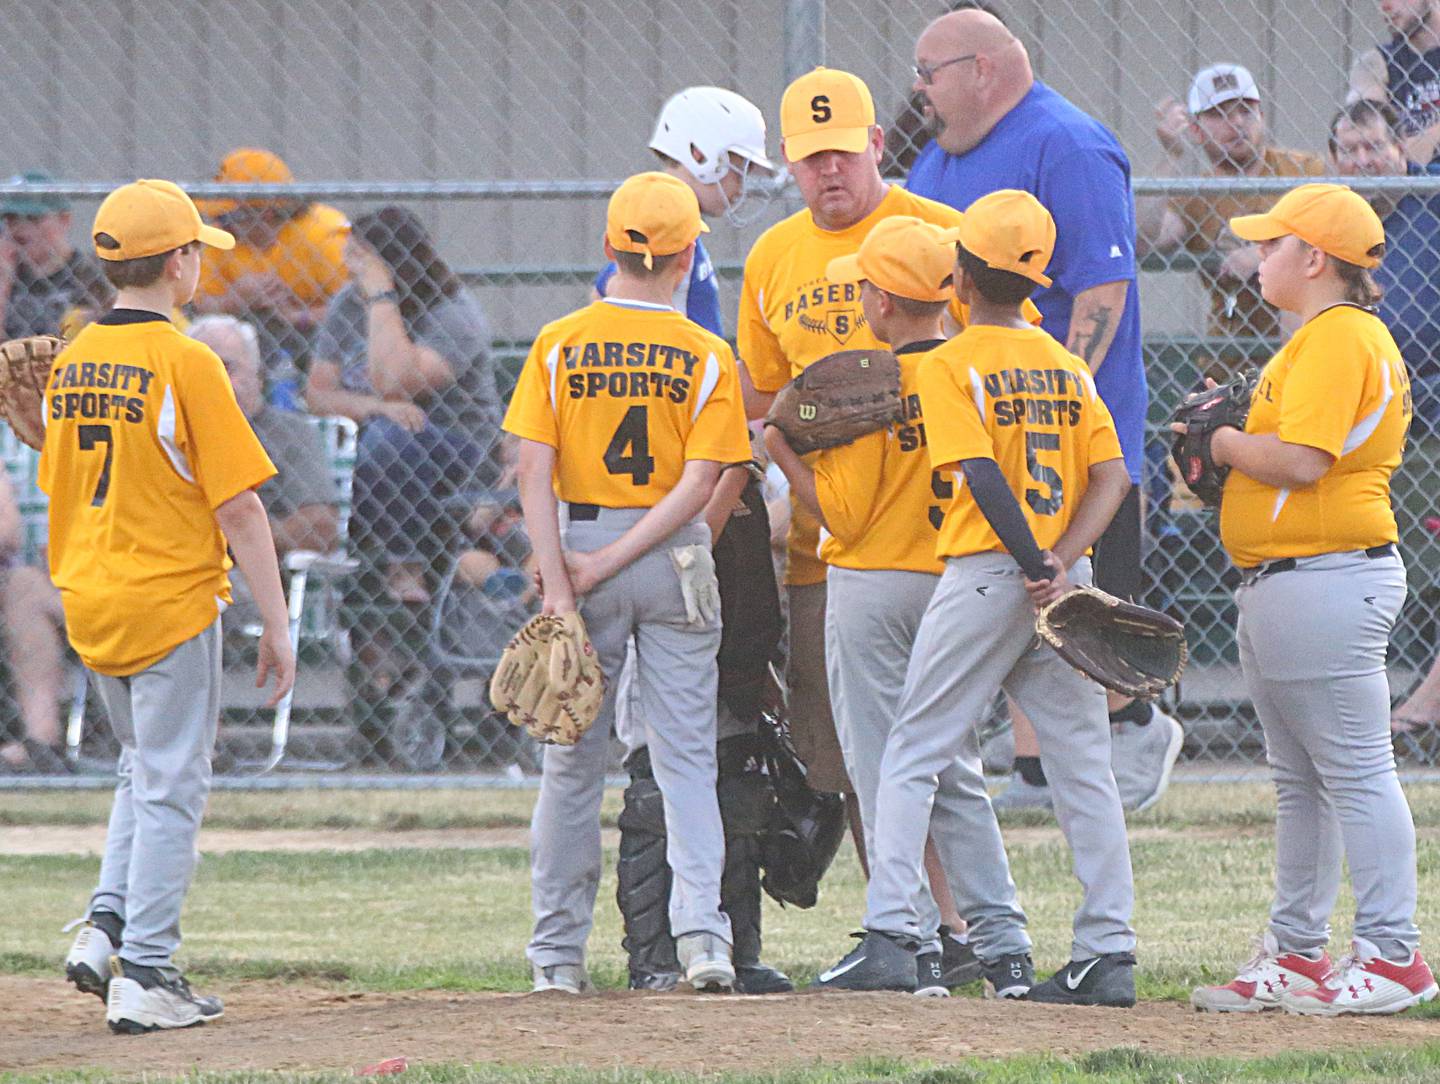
1122, 1065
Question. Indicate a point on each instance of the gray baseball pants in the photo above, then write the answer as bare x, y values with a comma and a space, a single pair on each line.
164, 719
675, 690
1312, 645
978, 637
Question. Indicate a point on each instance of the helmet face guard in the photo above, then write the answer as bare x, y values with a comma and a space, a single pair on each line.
755, 192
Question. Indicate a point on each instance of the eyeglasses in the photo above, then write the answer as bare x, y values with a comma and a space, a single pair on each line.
926, 72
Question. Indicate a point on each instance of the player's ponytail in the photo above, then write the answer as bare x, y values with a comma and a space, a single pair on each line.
1360, 285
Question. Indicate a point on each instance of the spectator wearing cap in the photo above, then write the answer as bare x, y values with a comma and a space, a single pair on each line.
1365, 142
1404, 74
1225, 120
287, 263
42, 275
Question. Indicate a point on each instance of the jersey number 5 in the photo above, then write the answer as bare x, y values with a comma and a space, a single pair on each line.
629, 450
1048, 476
91, 435
944, 490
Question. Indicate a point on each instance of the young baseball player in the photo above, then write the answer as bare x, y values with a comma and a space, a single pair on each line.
1018, 417
1305, 514
879, 506
151, 470
714, 140
626, 412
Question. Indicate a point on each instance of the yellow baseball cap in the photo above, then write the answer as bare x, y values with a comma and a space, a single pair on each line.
653, 213
901, 255
146, 218
1011, 231
826, 110
1332, 217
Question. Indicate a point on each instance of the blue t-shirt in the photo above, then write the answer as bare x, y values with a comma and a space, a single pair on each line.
698, 297
1410, 277
1075, 166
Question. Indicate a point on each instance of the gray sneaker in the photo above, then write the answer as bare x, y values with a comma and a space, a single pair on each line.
141, 999
1142, 757
1019, 794
878, 962
1100, 980
705, 957
566, 978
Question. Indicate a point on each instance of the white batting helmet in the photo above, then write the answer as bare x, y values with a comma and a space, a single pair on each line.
701, 126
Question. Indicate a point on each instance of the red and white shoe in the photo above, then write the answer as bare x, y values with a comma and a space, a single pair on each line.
1263, 980
1366, 983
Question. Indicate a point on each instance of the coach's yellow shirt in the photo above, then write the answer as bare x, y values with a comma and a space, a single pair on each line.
1018, 397
791, 315
1339, 385
627, 392
308, 256
143, 441
883, 504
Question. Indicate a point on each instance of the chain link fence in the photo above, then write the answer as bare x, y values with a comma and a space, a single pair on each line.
471, 145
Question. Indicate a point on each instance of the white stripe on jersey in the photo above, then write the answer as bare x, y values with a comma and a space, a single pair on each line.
707, 384
977, 391
1367, 425
165, 430
552, 365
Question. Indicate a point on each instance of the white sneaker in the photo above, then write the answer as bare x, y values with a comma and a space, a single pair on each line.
1142, 758
705, 958
87, 964
567, 978
1366, 983
1264, 980
132, 1008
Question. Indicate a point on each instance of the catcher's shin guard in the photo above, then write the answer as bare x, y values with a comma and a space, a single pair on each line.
643, 890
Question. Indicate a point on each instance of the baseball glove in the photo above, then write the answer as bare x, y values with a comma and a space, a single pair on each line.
837, 399
24, 372
1127, 648
549, 679
1203, 412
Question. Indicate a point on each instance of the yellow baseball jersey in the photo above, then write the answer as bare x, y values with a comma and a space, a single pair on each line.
791, 315
883, 503
1339, 385
143, 441
1018, 397
308, 256
627, 393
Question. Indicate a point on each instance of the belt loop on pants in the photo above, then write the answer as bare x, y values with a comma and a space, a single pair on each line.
1288, 564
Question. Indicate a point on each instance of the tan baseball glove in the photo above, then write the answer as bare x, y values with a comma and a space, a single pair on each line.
25, 366
1127, 648
549, 679
838, 399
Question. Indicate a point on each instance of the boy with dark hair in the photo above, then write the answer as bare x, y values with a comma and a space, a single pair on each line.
151, 470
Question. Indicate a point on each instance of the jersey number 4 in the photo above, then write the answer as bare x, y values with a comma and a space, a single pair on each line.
90, 436
629, 449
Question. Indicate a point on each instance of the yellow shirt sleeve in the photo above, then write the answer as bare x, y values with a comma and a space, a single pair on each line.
956, 431
224, 452
759, 348
1320, 401
531, 414
719, 433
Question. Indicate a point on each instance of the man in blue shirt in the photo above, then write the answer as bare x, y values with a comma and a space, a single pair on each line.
714, 140
1365, 142
996, 126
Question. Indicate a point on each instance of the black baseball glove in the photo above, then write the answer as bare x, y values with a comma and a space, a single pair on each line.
1203, 412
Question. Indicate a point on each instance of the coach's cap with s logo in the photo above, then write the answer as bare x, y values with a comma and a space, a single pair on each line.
825, 110
1011, 231
147, 218
1333, 217
655, 214
904, 256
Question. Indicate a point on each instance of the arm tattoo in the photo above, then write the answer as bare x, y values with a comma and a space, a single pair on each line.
1091, 341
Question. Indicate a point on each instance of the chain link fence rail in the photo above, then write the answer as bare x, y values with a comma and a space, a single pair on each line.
473, 146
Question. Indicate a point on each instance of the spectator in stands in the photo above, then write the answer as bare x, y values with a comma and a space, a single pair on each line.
300, 500
907, 136
404, 350
1226, 121
1364, 142
1404, 73
34, 630
287, 263
42, 275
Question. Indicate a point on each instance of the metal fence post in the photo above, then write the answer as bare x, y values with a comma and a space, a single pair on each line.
804, 37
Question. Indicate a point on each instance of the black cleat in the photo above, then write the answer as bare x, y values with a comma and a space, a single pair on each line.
761, 979
930, 976
1009, 976
958, 962
879, 962
1100, 980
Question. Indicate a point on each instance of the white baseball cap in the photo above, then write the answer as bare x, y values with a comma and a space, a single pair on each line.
1221, 83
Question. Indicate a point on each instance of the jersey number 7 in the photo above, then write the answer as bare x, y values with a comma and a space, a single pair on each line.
91, 435
629, 449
